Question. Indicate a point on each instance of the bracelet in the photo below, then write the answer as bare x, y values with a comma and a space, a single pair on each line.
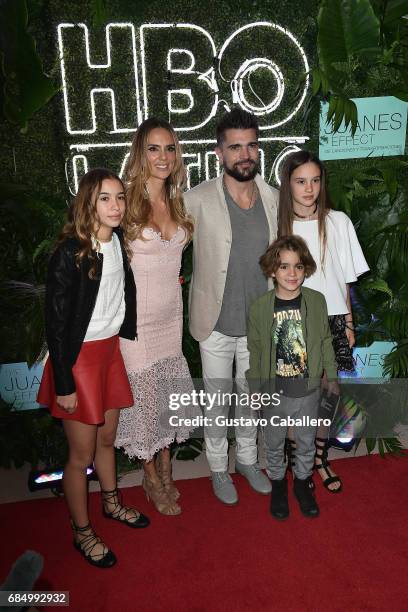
350, 328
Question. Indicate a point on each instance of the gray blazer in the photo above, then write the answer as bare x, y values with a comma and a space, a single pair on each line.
211, 249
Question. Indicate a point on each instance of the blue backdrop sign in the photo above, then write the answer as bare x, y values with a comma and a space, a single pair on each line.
369, 360
381, 130
19, 384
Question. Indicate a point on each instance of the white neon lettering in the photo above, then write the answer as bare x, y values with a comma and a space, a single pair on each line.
278, 161
190, 165
179, 92
92, 66
178, 63
256, 63
188, 69
207, 76
247, 68
84, 168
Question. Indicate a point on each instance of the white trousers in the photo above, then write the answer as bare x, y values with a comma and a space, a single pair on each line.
217, 356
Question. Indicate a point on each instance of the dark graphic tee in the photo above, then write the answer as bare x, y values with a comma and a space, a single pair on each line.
291, 355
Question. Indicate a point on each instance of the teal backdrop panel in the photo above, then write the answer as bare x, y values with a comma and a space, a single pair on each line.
381, 130
19, 384
369, 360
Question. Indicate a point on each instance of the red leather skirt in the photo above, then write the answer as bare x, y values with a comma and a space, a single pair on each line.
100, 379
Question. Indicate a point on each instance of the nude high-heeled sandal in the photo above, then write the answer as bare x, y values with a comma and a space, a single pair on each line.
156, 492
164, 473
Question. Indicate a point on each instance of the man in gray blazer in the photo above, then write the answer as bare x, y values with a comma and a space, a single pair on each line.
234, 222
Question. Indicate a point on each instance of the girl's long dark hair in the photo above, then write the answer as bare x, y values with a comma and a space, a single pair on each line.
285, 211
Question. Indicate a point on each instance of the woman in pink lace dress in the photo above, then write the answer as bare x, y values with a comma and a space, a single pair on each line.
159, 229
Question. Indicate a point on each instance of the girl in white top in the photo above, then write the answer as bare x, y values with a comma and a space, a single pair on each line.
90, 302
304, 210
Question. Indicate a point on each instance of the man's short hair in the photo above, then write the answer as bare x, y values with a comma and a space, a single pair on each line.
270, 260
237, 119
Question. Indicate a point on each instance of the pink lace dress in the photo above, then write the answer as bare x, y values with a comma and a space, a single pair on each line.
154, 362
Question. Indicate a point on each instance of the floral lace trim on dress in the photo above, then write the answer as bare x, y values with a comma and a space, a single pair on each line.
158, 235
144, 429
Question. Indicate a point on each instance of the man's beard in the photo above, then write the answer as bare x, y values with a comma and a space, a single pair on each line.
242, 176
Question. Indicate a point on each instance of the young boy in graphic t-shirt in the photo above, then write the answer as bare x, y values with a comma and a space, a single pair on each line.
290, 346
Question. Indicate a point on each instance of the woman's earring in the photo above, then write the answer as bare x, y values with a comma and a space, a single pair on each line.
146, 194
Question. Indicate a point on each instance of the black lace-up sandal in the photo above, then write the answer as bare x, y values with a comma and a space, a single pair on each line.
87, 543
124, 514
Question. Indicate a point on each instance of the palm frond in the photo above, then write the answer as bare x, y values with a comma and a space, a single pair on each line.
396, 362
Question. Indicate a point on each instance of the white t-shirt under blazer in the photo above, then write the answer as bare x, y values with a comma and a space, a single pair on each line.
343, 263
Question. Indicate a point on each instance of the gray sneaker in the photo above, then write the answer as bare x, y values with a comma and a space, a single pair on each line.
255, 476
224, 488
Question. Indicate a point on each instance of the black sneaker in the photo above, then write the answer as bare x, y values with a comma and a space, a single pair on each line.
305, 497
279, 499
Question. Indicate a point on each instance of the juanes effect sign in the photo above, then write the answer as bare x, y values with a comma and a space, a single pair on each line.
381, 130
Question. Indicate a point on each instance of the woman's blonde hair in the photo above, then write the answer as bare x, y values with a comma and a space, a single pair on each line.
82, 217
138, 210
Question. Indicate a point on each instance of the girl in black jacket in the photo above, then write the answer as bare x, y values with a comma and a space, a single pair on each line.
90, 302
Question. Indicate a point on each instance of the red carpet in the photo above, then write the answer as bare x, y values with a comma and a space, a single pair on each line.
213, 558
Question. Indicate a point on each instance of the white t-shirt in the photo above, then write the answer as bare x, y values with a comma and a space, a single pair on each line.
343, 263
109, 310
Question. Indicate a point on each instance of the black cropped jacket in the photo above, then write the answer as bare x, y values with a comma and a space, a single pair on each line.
69, 304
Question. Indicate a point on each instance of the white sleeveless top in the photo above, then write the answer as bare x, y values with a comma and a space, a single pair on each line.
343, 263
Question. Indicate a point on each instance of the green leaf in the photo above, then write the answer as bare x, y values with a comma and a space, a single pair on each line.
394, 447
332, 108
26, 87
394, 238
381, 447
370, 444
395, 323
342, 108
378, 284
341, 66
396, 362
351, 115
325, 83
339, 114
389, 174
316, 81
388, 56
347, 29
